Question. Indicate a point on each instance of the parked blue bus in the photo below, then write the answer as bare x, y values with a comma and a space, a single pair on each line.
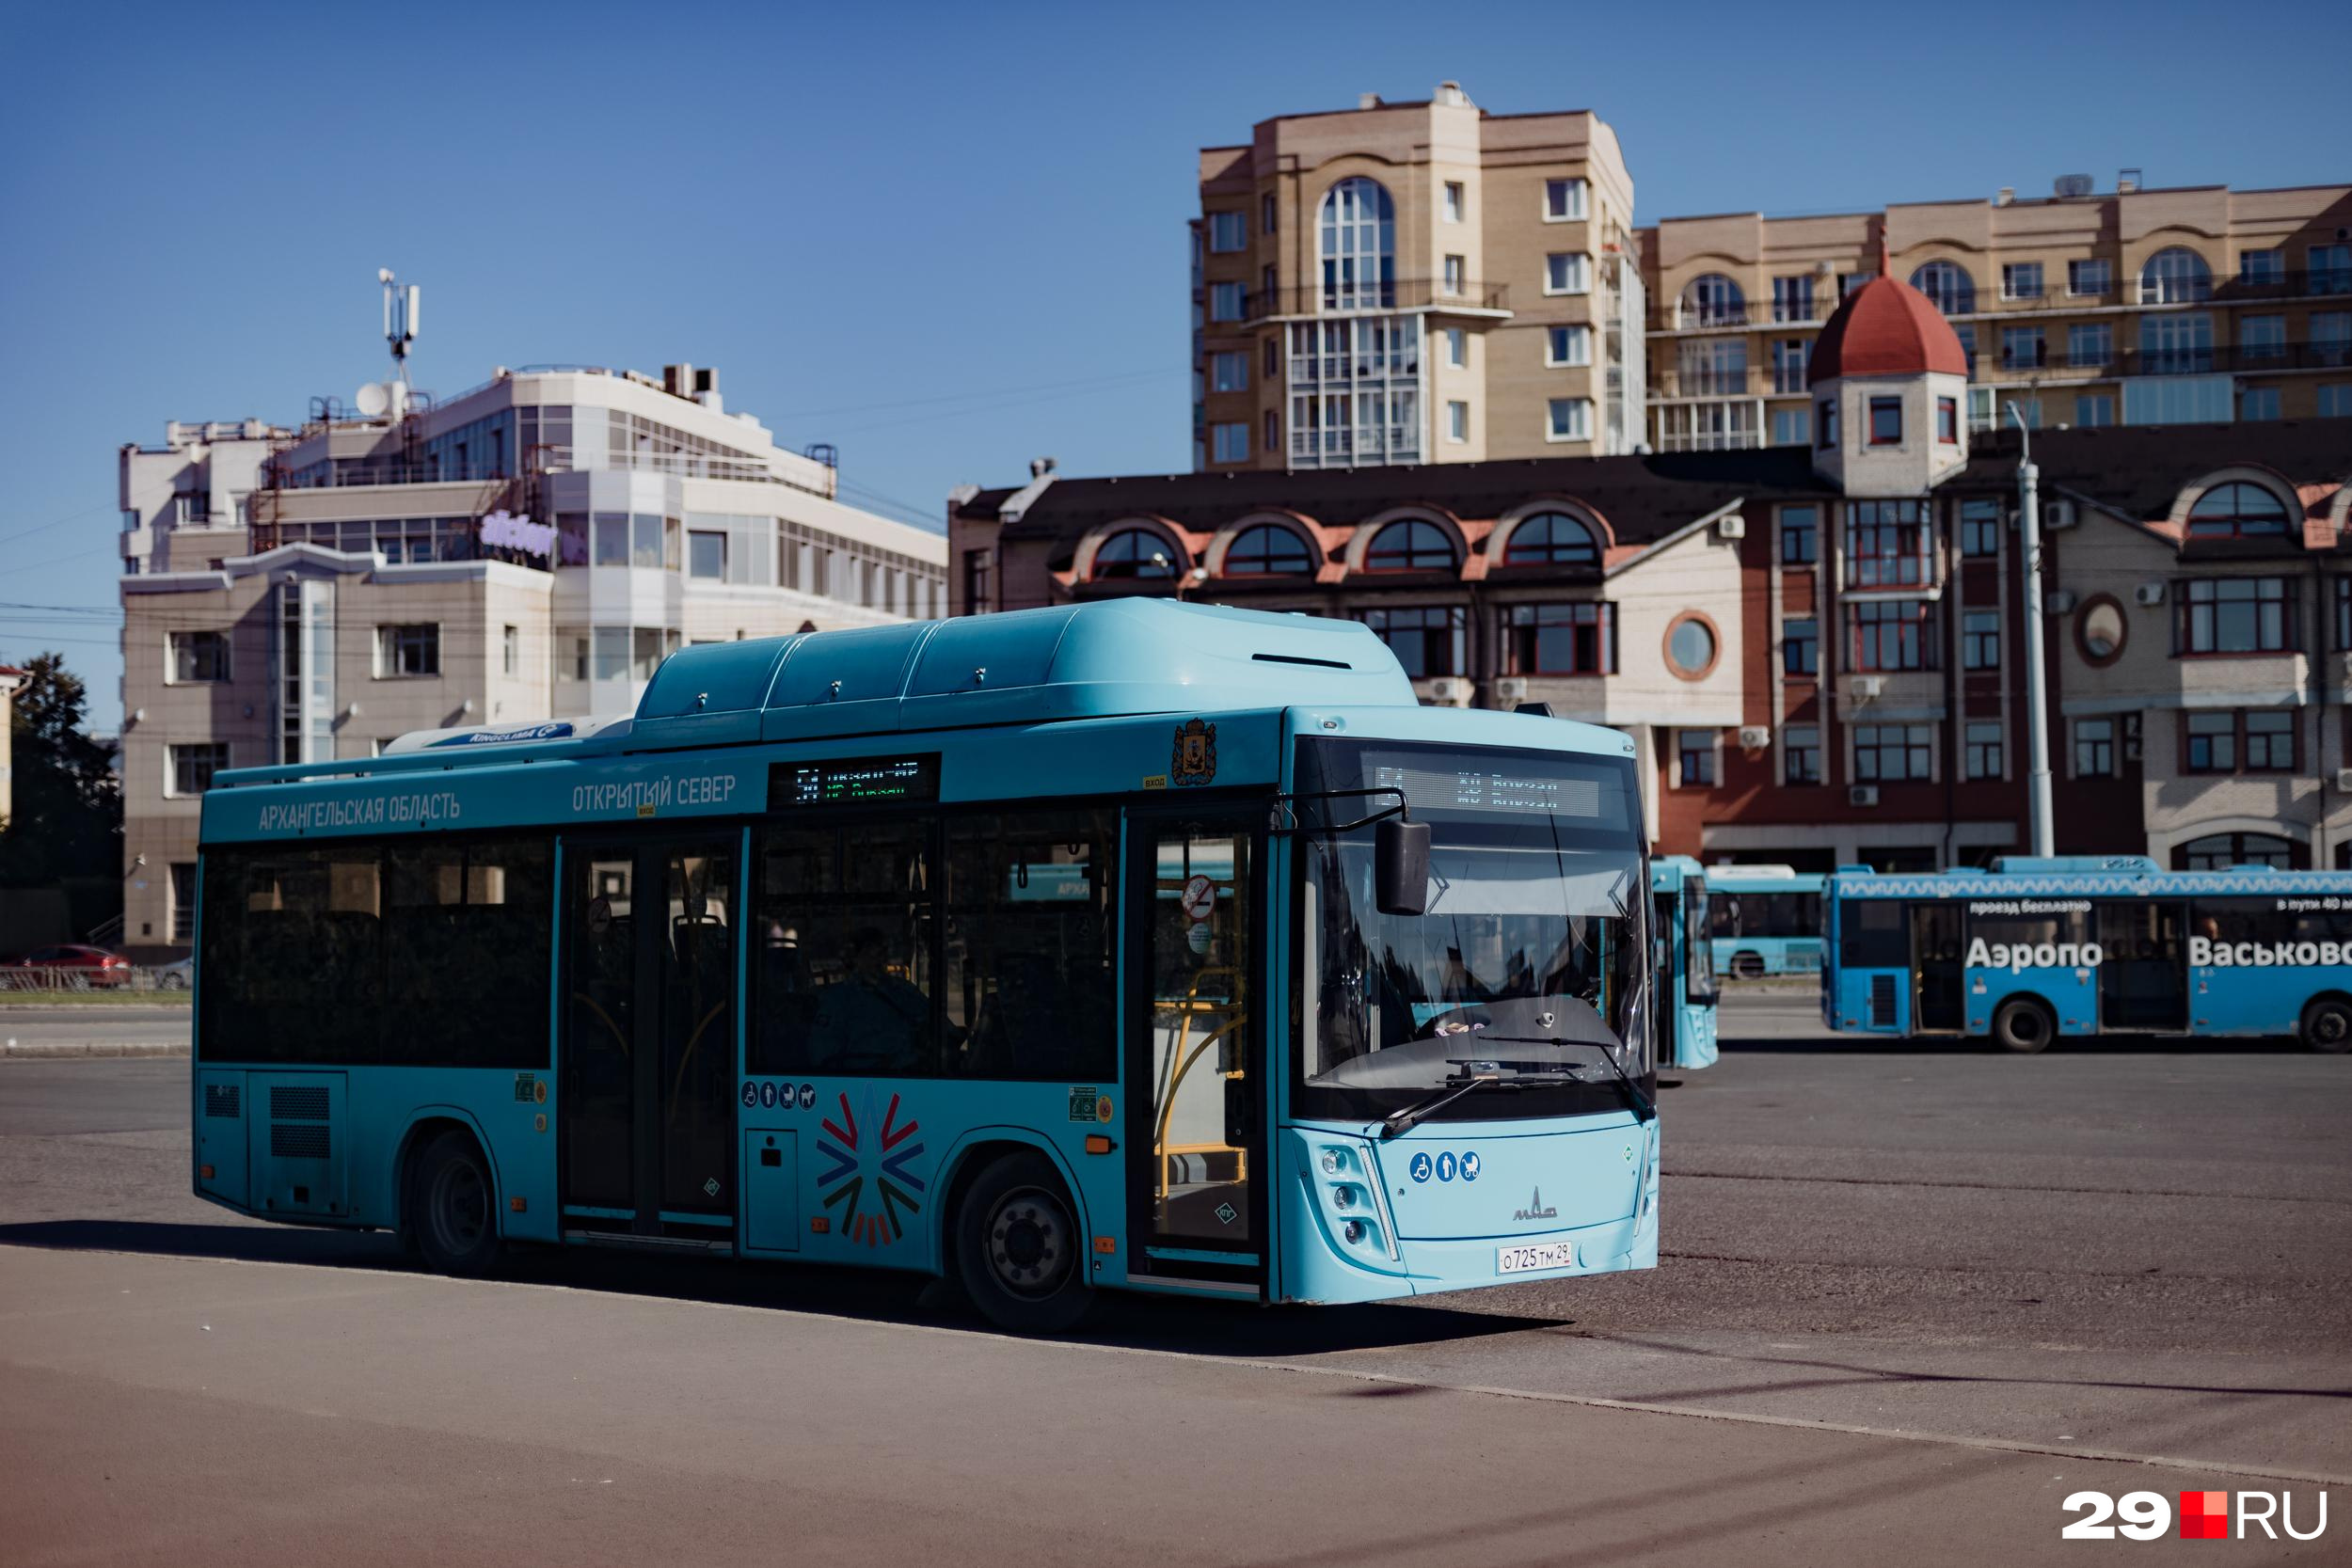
1685, 962
2038, 948
1765, 920
1125, 945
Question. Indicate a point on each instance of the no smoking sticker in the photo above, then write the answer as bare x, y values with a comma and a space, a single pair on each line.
1200, 899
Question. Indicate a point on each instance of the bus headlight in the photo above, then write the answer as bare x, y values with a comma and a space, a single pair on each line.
1330, 1162
1355, 1232
1343, 1197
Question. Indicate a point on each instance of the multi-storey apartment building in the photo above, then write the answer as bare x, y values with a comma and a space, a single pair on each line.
1818, 648
2084, 309
530, 549
1422, 282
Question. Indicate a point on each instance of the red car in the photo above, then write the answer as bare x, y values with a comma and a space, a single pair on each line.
63, 964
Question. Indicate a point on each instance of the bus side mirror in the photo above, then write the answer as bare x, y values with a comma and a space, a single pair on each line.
1400, 861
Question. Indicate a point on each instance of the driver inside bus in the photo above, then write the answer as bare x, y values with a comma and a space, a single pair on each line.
870, 1019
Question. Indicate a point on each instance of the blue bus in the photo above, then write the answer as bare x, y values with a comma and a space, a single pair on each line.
1127, 946
1765, 920
2037, 948
1685, 962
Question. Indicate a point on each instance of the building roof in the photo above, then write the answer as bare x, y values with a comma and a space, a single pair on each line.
2139, 470
1885, 327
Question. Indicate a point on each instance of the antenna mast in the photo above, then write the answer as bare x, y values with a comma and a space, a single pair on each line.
400, 320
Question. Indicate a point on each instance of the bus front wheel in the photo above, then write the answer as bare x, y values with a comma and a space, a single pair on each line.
2023, 1026
454, 1207
1747, 966
1018, 1250
2328, 1026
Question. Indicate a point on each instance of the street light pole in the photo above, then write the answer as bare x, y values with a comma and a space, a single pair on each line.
2037, 686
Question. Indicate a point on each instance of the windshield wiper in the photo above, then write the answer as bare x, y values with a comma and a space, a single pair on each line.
1412, 1116
1643, 1109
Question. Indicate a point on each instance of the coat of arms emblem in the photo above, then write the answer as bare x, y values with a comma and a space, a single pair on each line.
1195, 761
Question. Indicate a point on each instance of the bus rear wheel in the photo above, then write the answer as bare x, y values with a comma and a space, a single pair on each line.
2328, 1026
2023, 1026
1747, 966
452, 1207
1018, 1250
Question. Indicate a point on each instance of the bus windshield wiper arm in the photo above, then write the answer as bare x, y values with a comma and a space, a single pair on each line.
1643, 1108
1412, 1116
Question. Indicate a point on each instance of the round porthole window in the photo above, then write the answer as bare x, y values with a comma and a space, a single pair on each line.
2100, 630
1692, 646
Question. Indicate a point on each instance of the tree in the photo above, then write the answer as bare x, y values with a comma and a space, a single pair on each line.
68, 819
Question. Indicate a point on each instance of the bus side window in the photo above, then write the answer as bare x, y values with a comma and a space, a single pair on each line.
1871, 934
842, 973
1030, 927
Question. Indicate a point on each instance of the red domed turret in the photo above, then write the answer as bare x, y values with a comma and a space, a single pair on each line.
1885, 327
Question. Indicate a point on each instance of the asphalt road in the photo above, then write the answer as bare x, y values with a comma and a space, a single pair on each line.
1906, 1294
130, 1023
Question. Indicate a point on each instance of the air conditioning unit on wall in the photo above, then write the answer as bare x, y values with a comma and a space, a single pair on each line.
1862, 795
1866, 686
2148, 594
1510, 689
1733, 527
1755, 738
1449, 690
2057, 514
2058, 601
2343, 781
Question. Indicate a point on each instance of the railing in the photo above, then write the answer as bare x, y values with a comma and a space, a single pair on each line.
46, 980
2292, 283
1707, 381
1711, 440
347, 473
1403, 293
1683, 316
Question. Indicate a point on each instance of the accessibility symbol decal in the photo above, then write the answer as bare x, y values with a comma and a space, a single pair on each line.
1470, 1165
768, 1095
1420, 1167
751, 1095
1446, 1167
873, 1220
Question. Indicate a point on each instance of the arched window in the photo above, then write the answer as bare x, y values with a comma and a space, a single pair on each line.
1267, 550
1131, 553
1947, 286
2219, 852
1713, 300
1358, 246
2176, 276
2235, 510
1550, 539
1412, 545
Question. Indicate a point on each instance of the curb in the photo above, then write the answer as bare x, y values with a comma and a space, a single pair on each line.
43, 1050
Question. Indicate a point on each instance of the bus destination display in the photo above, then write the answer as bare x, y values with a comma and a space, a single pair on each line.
852, 780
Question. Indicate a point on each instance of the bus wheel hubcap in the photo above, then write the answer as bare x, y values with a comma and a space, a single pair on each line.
2331, 1026
1028, 1244
462, 1207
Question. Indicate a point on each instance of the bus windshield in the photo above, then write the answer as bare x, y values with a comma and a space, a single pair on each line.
1529, 961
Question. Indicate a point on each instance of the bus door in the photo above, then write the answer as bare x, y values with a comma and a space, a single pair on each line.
1195, 1072
1939, 992
2144, 980
648, 1064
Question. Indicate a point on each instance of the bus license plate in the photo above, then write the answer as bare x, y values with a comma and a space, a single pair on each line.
1549, 1255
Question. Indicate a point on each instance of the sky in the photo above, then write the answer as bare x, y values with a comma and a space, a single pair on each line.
946, 237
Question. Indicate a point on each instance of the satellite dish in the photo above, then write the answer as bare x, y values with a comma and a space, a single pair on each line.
372, 400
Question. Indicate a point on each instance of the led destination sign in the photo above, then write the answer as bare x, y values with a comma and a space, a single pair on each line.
852, 780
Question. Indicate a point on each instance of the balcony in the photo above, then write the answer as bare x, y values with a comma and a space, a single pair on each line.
1709, 381
1682, 316
1403, 293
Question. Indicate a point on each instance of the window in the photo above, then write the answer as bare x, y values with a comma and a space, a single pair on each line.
1690, 645
408, 650
1893, 634
198, 656
2021, 280
1886, 422
1888, 545
2331, 337
1230, 443
2091, 276
1711, 299
1564, 201
2090, 345
1454, 199
1981, 528
1135, 553
1980, 640
1792, 298
1705, 365
2234, 615
1695, 758
2022, 348
2029, 411
2262, 266
2262, 338
1561, 639
2236, 510
1568, 345
1457, 347
2269, 740
1848, 281
1267, 550
1456, 274
845, 977
1556, 539
1983, 746
1271, 440
1030, 943
649, 647
182, 927
1948, 422
707, 556
1799, 535
1225, 302
2094, 748
978, 597
1226, 232
1567, 272
2176, 276
2220, 851
1947, 286
1828, 424
1801, 754
2236, 740
612, 653
1801, 646
193, 765
652, 541
612, 538
2095, 409
2331, 269
1791, 427
2335, 399
1410, 545
1427, 641
2178, 344
1229, 371
1265, 213
1890, 754
1788, 361
458, 932
1457, 422
511, 650
1569, 420
2258, 403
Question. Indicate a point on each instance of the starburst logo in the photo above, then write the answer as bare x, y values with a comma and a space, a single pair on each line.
871, 1217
